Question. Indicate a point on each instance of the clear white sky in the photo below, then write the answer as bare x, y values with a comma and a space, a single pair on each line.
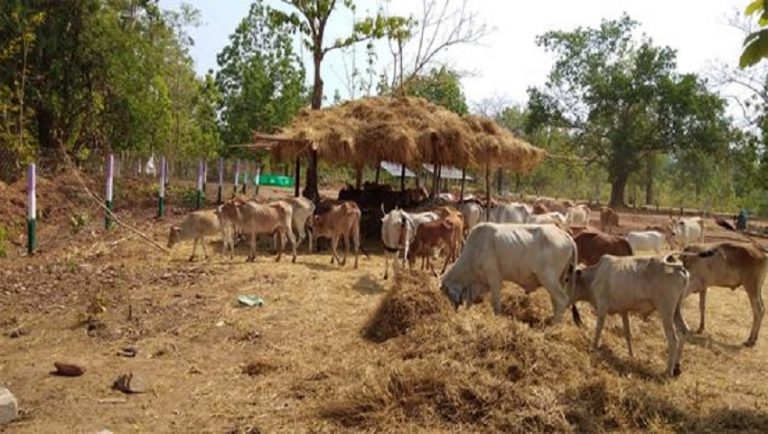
509, 61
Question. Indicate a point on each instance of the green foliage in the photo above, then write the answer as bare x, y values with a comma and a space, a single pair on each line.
78, 221
442, 87
621, 102
102, 76
756, 43
261, 79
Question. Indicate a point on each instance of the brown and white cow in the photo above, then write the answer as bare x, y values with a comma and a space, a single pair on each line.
620, 285
336, 221
529, 255
731, 265
608, 219
593, 245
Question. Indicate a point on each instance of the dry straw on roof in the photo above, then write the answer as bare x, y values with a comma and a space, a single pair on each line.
404, 130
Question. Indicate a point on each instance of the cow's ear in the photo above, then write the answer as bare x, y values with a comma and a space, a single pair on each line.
578, 273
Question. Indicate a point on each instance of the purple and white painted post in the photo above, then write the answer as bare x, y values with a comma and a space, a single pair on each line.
245, 177
256, 178
200, 174
31, 209
221, 180
237, 175
138, 167
108, 195
205, 175
161, 190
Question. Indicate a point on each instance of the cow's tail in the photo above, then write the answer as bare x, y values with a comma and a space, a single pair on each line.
572, 282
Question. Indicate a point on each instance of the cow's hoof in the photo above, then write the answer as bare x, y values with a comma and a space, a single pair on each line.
294, 260
191, 259
677, 371
749, 344
699, 331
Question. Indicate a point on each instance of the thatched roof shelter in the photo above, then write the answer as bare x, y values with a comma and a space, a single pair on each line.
405, 130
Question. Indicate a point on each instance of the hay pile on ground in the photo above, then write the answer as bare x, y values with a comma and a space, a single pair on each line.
471, 371
415, 296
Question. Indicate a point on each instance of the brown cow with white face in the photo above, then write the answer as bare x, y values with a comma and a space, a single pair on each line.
731, 265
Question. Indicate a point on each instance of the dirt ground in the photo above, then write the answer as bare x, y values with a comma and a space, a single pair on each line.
301, 363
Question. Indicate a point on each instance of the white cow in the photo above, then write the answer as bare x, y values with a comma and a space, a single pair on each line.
549, 218
646, 241
578, 216
473, 213
302, 209
688, 230
619, 285
398, 229
528, 255
510, 213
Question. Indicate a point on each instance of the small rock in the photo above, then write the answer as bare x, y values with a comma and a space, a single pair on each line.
129, 383
9, 407
18, 333
68, 370
128, 352
105, 431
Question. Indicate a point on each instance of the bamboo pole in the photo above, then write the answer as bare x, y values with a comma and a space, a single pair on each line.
488, 190
463, 179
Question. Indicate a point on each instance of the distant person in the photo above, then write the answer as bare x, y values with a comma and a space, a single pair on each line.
741, 220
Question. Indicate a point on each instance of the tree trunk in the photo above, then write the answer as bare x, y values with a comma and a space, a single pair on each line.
378, 171
499, 180
618, 185
359, 178
311, 190
463, 179
649, 169
297, 174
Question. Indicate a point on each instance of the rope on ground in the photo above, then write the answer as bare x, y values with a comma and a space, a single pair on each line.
101, 205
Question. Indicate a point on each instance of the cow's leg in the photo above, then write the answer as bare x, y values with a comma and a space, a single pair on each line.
557, 296
494, 282
194, 251
702, 308
445, 264
386, 264
627, 334
280, 246
673, 341
356, 240
346, 248
758, 310
292, 240
598, 329
202, 243
334, 246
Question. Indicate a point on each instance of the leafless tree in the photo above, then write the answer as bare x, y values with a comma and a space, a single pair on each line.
442, 24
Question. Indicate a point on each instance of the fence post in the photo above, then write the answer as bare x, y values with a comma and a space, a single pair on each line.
200, 170
110, 174
205, 175
161, 190
245, 177
256, 179
237, 175
221, 181
31, 209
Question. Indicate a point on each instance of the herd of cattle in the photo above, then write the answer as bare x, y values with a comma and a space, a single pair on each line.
546, 244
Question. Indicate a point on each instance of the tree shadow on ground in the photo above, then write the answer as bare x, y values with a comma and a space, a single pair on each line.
706, 341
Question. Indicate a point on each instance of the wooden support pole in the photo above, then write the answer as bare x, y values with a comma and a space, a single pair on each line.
297, 175
463, 179
378, 171
402, 179
221, 181
487, 190
237, 176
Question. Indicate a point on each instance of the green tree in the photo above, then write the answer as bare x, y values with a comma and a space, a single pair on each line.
261, 78
622, 101
440, 86
310, 19
756, 43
